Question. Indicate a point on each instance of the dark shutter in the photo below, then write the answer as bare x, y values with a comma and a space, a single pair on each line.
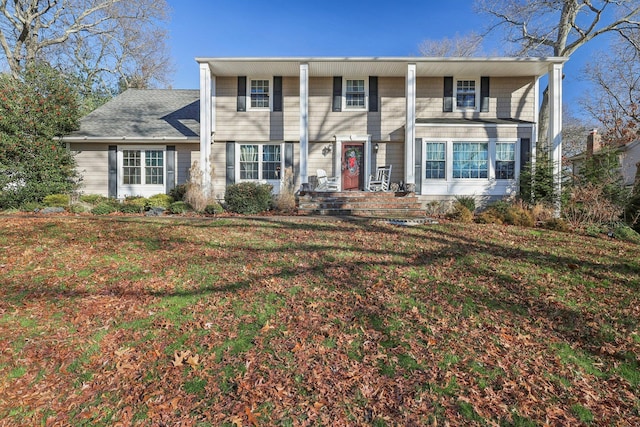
288, 155
113, 171
171, 168
337, 94
373, 93
277, 93
242, 93
418, 166
525, 152
484, 94
231, 162
447, 105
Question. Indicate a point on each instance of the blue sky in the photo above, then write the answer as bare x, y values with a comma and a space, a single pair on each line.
209, 28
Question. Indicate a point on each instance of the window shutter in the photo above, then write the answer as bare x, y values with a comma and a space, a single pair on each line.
288, 155
448, 95
418, 166
171, 168
337, 94
484, 94
525, 151
231, 162
373, 93
277, 93
242, 93
113, 171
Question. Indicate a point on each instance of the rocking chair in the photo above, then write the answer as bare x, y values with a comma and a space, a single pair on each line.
381, 180
326, 183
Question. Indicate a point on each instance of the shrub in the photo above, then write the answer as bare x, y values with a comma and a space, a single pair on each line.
30, 206
135, 204
537, 182
623, 232
213, 209
178, 192
460, 213
77, 208
556, 224
248, 197
104, 208
56, 200
160, 201
518, 215
93, 199
490, 216
179, 207
130, 208
468, 202
285, 201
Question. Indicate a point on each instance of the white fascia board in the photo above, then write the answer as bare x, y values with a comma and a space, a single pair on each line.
478, 125
129, 139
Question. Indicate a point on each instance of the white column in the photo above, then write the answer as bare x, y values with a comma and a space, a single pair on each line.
410, 126
304, 123
206, 124
555, 127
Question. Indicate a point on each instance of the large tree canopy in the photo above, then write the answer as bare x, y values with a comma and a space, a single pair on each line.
35, 108
558, 27
103, 42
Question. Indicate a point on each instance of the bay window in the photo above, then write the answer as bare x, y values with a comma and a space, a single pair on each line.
505, 160
435, 160
470, 160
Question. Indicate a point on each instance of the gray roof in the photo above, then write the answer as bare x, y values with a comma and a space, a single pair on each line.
144, 114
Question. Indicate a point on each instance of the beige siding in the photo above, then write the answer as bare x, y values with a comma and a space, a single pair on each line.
92, 164
187, 154
392, 153
510, 97
256, 125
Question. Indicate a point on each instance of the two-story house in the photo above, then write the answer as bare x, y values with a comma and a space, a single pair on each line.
448, 126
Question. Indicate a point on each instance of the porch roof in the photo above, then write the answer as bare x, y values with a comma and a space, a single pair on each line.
471, 121
381, 66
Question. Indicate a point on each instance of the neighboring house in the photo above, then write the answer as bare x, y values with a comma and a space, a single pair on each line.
628, 156
448, 126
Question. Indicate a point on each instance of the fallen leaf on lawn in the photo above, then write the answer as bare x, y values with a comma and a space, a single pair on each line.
193, 360
266, 327
237, 421
251, 415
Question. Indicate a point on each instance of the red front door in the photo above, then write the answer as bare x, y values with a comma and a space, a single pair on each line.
352, 165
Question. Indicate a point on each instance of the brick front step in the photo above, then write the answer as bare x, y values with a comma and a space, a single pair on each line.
360, 203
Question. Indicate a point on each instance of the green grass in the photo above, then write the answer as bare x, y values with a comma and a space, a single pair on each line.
425, 320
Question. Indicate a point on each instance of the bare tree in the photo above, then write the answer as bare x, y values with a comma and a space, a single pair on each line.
615, 100
558, 27
103, 41
469, 44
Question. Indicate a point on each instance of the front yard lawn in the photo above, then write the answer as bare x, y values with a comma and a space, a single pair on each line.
292, 322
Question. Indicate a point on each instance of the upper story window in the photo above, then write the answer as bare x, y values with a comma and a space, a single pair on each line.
466, 94
259, 92
355, 94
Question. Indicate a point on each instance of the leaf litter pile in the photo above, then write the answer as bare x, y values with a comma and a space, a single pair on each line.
240, 322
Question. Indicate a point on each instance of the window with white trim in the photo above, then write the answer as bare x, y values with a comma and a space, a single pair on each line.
143, 167
470, 160
260, 161
259, 93
505, 167
435, 160
355, 94
466, 95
